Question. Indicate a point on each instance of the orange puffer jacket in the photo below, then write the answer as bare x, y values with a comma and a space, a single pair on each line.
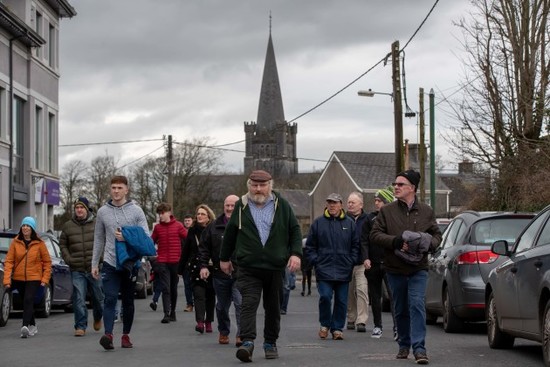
32, 263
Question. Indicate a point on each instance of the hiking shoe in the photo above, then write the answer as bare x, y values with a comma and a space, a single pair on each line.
337, 335
421, 358
97, 325
238, 341
223, 339
350, 326
106, 341
361, 328
271, 351
33, 330
208, 326
25, 332
79, 332
173, 316
376, 333
323, 332
125, 341
402, 354
244, 353
188, 308
165, 319
153, 306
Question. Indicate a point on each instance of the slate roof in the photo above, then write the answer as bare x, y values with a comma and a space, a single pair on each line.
299, 200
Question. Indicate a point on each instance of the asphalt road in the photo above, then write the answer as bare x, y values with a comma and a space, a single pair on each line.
178, 344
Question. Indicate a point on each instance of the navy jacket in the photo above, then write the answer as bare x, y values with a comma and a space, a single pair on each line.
332, 247
136, 245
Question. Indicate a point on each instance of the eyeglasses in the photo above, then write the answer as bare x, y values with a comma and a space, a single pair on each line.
400, 184
202, 214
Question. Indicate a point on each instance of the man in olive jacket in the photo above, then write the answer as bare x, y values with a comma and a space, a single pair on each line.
77, 243
265, 236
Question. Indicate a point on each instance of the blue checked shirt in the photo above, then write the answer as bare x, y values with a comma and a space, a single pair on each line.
263, 217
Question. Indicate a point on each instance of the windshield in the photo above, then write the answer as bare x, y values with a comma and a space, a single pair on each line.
486, 232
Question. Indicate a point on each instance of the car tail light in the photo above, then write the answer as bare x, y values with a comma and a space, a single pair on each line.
477, 257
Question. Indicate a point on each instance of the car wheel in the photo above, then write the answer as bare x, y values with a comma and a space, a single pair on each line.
545, 327
5, 308
496, 337
451, 322
45, 307
431, 318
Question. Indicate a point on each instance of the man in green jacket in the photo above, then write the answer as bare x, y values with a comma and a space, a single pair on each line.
77, 243
265, 236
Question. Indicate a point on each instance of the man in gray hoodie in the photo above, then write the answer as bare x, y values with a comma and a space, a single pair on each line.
117, 213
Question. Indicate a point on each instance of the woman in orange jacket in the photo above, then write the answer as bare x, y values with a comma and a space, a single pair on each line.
27, 268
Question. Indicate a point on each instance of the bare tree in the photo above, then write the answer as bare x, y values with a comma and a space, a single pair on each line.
100, 172
505, 107
149, 186
73, 183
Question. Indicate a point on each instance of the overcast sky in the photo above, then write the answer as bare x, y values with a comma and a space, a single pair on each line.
141, 69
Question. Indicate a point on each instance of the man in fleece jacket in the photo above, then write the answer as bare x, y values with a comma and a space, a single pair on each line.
111, 217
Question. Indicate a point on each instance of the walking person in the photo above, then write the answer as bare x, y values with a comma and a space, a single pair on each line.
188, 289
307, 272
27, 268
224, 284
358, 298
167, 234
203, 289
117, 213
407, 265
332, 247
264, 236
77, 245
374, 264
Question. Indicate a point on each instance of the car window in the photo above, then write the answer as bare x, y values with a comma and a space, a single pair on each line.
50, 246
528, 237
487, 231
544, 237
452, 232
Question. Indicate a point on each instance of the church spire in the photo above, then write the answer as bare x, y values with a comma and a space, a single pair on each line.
270, 108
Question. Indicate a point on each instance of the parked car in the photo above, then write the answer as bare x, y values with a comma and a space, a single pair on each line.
518, 290
5, 297
459, 268
144, 285
59, 291
443, 223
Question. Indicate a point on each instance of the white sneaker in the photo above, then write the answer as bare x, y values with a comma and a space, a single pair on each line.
376, 333
33, 330
25, 332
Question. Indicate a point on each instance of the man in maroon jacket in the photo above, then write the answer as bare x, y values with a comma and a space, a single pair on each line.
168, 234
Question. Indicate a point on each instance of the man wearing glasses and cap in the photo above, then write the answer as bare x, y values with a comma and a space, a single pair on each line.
407, 279
332, 247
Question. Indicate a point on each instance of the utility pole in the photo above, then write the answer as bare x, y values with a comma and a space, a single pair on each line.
422, 146
397, 107
169, 166
432, 150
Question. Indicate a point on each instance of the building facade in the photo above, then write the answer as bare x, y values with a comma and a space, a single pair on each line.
270, 141
29, 109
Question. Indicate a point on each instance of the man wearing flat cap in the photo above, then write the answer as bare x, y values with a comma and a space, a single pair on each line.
407, 280
332, 247
77, 243
265, 236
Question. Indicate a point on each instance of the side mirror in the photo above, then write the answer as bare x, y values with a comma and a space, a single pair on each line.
500, 248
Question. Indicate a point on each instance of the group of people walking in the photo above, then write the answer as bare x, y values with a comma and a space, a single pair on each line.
243, 256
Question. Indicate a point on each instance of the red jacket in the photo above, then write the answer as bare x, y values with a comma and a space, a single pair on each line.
168, 237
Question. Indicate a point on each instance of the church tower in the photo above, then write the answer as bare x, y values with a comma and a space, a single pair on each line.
271, 141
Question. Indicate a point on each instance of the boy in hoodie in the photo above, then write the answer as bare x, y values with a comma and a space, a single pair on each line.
117, 213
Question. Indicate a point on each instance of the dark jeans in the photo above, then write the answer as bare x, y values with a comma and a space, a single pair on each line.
27, 291
115, 281
251, 283
375, 276
205, 300
168, 275
226, 292
188, 288
306, 278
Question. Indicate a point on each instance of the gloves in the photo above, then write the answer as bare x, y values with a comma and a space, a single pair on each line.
398, 243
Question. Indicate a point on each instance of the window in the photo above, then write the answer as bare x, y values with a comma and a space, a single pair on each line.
528, 237
37, 137
18, 123
51, 143
52, 46
38, 28
3, 110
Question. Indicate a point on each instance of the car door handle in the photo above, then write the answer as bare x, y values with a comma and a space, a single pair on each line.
538, 263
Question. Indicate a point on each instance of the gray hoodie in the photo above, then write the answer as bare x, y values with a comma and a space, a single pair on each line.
108, 218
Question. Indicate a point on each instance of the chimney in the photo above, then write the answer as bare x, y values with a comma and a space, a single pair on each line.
465, 167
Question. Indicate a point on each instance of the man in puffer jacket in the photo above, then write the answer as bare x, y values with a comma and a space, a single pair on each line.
77, 244
332, 247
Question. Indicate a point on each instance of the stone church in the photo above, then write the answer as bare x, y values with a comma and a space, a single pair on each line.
270, 141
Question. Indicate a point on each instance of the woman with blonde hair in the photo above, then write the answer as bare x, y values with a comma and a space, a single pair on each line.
203, 289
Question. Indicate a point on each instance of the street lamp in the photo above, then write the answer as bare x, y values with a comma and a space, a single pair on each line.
371, 93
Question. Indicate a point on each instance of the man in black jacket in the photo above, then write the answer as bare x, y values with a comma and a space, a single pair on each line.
224, 284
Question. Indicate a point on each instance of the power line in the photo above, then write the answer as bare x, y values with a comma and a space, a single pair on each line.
107, 143
140, 158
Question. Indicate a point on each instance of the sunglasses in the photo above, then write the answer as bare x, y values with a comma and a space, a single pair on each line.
400, 184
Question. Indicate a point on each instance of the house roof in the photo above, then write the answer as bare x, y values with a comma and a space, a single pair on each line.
299, 200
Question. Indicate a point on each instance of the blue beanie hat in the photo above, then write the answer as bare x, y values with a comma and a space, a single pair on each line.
30, 222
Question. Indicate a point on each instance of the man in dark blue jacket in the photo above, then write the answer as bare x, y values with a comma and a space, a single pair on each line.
332, 247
